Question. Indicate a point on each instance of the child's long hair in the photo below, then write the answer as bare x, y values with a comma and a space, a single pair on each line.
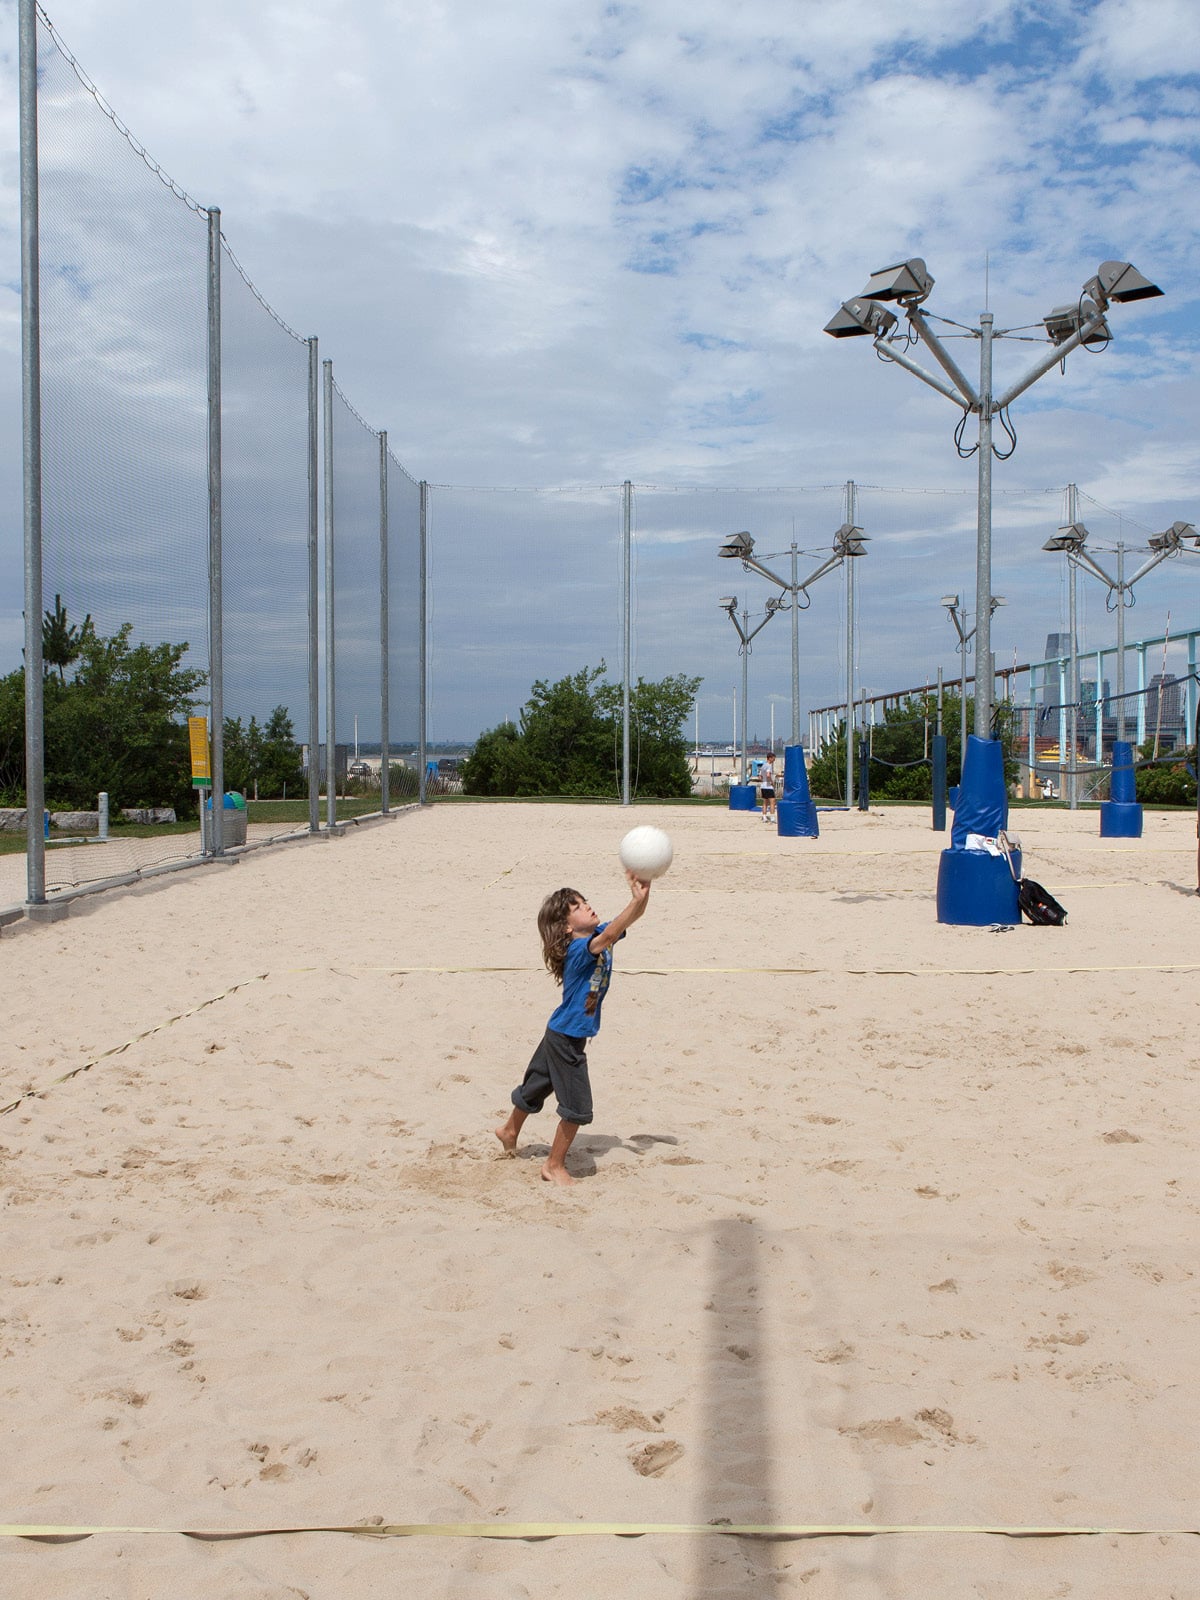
552, 925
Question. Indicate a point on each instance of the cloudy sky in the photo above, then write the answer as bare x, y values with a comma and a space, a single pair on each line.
559, 244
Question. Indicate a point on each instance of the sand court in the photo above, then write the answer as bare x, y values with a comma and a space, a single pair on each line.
879, 1222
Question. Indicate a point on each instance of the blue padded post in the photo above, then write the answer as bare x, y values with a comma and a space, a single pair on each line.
974, 888
977, 890
796, 812
982, 804
1121, 817
939, 783
743, 797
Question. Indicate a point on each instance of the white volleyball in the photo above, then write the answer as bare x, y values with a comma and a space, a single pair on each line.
646, 852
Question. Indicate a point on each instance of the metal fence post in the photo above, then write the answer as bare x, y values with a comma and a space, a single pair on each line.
330, 637
31, 460
626, 541
314, 604
383, 623
423, 633
851, 510
216, 664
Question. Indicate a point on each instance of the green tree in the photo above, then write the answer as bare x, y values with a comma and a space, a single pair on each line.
120, 725
61, 643
569, 740
12, 738
281, 762
1166, 783
263, 761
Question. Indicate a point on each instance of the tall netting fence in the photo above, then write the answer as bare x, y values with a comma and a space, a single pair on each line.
405, 727
182, 560
124, 461
264, 551
354, 641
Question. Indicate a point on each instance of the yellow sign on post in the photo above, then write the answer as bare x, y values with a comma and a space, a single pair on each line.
198, 739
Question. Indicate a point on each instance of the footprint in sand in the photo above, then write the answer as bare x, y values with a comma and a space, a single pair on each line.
652, 1460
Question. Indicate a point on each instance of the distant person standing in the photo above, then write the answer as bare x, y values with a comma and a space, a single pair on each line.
766, 787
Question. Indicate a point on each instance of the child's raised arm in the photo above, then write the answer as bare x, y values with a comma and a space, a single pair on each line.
639, 900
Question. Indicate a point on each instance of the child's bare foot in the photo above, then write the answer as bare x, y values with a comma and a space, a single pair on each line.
508, 1138
558, 1175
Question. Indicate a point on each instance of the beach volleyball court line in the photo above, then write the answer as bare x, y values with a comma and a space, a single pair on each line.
33, 1094
810, 972
620, 1530
629, 972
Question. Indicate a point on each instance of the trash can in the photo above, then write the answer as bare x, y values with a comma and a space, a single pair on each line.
233, 819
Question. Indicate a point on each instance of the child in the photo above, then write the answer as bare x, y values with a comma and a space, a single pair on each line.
577, 948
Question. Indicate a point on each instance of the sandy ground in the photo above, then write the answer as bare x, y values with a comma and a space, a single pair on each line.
879, 1222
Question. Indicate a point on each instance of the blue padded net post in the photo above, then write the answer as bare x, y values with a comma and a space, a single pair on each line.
974, 887
1121, 817
796, 812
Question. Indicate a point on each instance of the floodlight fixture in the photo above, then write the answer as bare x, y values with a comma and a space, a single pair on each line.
775, 604
1172, 538
728, 602
998, 600
1064, 322
1070, 538
950, 601
849, 541
907, 282
1120, 281
737, 547
861, 317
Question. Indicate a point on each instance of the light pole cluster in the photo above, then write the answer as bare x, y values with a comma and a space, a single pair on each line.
1082, 322
745, 633
848, 543
1071, 541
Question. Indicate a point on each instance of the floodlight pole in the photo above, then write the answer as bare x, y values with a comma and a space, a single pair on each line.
31, 457
1073, 691
964, 639
1120, 594
795, 650
984, 680
1118, 588
850, 509
745, 634
741, 547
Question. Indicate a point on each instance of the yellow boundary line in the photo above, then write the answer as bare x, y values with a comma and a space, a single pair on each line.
619, 1530
807, 972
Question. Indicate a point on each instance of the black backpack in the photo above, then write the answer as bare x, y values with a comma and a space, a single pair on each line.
1039, 905
1036, 903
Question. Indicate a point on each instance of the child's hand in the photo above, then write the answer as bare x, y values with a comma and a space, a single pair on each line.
639, 887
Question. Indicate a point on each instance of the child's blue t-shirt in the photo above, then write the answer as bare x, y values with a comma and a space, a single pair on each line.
579, 967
